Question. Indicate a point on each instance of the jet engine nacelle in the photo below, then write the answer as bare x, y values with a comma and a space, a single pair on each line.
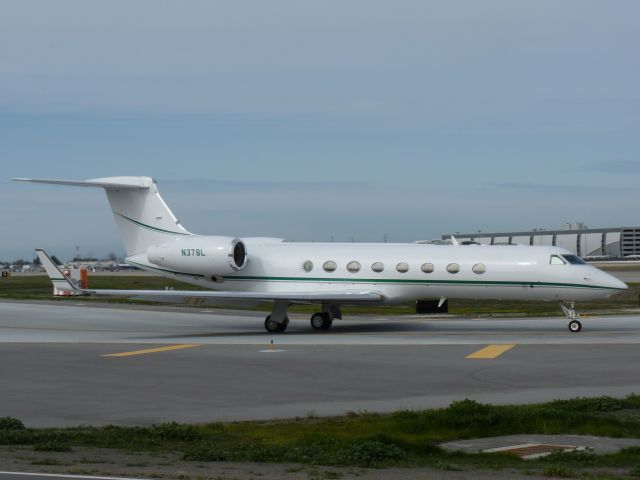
204, 255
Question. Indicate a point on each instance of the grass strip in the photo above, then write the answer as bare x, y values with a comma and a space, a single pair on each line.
404, 438
38, 287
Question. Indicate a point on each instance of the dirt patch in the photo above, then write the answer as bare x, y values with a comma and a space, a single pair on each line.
97, 461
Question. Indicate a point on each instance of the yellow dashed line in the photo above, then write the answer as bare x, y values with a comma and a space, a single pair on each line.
490, 351
150, 350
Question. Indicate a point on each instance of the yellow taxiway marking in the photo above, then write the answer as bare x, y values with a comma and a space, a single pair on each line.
490, 351
150, 350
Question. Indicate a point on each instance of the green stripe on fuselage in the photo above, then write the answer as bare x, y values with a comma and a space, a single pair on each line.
418, 282
144, 225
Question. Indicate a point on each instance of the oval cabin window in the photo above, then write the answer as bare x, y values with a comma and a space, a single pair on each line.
377, 267
402, 267
307, 266
427, 267
453, 268
479, 268
353, 267
329, 266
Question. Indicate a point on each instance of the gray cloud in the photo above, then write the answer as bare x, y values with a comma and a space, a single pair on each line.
616, 167
60, 218
562, 189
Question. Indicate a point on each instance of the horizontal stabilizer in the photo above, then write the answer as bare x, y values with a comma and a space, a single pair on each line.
141, 214
110, 183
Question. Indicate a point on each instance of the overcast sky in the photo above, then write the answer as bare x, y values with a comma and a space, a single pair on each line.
309, 120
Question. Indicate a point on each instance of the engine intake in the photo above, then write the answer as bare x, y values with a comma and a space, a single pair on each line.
199, 254
237, 254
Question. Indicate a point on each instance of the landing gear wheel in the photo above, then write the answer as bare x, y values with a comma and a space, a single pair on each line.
575, 326
275, 327
321, 321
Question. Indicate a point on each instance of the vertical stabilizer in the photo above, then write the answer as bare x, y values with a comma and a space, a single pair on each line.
143, 217
141, 214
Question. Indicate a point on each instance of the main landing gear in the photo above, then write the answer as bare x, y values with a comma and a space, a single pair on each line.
321, 321
275, 327
278, 321
324, 319
569, 310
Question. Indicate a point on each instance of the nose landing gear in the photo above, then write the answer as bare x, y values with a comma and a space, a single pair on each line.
570, 311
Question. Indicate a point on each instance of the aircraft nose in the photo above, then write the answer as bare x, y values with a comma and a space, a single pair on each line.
609, 281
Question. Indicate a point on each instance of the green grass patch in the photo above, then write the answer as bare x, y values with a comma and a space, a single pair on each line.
404, 438
10, 423
48, 462
38, 287
52, 445
556, 471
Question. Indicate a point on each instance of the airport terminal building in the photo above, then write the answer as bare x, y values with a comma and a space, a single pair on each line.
585, 242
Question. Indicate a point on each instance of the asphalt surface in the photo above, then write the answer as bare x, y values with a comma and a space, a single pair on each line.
69, 365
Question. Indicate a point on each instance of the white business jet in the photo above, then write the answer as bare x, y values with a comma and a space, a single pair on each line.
260, 269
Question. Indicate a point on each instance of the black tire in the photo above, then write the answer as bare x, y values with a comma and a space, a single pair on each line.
284, 324
275, 327
321, 321
575, 326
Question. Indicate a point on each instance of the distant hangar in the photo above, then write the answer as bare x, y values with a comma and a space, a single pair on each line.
616, 242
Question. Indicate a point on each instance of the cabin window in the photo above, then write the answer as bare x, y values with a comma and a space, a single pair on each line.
307, 266
353, 267
556, 260
377, 267
427, 267
329, 266
574, 259
402, 267
453, 268
479, 268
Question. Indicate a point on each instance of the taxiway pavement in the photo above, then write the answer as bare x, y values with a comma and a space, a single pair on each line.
67, 364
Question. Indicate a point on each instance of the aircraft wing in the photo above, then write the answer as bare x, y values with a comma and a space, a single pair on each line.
188, 296
206, 296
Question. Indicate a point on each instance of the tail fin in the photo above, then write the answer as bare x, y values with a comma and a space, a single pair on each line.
59, 280
141, 214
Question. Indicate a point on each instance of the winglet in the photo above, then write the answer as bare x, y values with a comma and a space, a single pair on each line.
454, 241
59, 280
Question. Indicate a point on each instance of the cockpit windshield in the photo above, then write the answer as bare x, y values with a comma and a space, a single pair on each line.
564, 259
574, 259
